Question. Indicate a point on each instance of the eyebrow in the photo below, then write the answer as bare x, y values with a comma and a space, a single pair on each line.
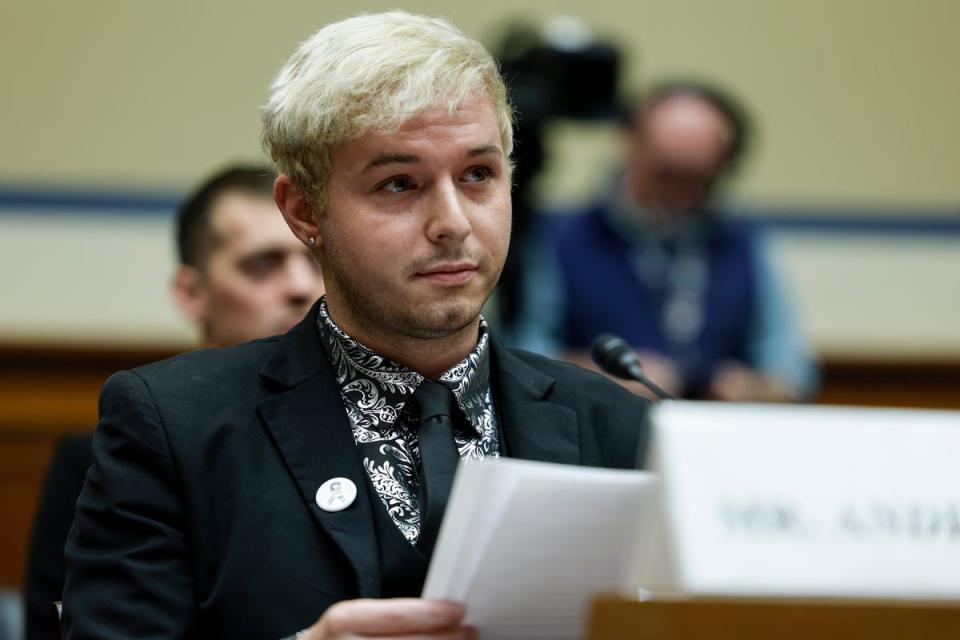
484, 150
404, 158
391, 158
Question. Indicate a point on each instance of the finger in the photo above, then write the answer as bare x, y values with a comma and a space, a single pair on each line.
392, 616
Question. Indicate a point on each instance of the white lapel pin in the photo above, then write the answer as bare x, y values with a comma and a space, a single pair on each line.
336, 494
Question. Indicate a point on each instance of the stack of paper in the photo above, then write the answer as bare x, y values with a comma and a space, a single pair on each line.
526, 545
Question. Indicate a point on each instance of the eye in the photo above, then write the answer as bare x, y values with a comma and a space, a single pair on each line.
479, 173
260, 265
397, 184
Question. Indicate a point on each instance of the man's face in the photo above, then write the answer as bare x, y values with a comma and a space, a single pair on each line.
259, 279
417, 226
676, 152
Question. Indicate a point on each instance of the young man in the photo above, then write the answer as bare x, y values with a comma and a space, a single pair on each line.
242, 275
296, 483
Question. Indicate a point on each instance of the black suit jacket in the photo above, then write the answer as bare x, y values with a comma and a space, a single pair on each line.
198, 517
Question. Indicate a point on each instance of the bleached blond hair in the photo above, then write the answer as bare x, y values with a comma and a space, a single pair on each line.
372, 72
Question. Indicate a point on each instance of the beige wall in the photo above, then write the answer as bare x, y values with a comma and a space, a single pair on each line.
857, 102
858, 99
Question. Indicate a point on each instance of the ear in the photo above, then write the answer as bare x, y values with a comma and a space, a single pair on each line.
190, 294
297, 210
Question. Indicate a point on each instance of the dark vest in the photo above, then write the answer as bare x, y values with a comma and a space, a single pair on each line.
605, 294
403, 569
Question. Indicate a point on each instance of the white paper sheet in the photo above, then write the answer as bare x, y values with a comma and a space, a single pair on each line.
526, 545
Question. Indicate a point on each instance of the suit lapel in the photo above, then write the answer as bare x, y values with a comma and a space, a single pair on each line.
312, 432
535, 427
307, 421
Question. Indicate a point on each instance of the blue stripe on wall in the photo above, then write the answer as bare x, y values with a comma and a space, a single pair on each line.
814, 218
880, 222
58, 201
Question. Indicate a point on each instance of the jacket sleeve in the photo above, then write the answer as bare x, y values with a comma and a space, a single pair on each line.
128, 560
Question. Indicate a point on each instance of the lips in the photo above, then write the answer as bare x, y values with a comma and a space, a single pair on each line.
449, 273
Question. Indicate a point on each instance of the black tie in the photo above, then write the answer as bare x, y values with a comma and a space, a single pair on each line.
438, 458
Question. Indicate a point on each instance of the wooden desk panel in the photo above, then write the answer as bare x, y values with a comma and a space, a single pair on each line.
933, 385
23, 462
774, 619
46, 392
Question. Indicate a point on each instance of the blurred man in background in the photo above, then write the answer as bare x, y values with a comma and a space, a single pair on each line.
242, 275
691, 289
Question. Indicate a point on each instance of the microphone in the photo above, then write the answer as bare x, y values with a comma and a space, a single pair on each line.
616, 357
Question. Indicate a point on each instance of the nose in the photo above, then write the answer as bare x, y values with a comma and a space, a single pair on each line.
304, 282
449, 220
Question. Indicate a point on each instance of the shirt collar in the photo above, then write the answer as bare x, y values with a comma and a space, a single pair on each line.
356, 364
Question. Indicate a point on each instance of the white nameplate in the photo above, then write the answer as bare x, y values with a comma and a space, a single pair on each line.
804, 500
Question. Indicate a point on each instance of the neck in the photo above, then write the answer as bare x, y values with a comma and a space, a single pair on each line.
430, 357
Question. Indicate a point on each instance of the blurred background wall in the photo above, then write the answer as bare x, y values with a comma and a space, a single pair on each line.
112, 109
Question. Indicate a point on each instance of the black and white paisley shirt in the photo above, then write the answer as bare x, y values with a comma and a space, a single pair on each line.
376, 391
